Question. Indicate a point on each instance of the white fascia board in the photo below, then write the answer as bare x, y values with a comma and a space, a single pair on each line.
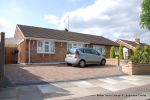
20, 41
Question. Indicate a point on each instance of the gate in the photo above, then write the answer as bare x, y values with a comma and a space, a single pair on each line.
2, 58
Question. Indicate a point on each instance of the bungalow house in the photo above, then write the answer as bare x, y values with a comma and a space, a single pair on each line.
42, 45
129, 46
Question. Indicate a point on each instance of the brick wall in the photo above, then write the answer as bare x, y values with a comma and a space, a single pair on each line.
23, 52
107, 49
136, 68
113, 62
18, 33
58, 56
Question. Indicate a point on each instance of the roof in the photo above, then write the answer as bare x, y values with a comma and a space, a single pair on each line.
12, 41
133, 43
38, 32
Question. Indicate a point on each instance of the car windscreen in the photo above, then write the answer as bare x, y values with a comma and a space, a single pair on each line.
71, 51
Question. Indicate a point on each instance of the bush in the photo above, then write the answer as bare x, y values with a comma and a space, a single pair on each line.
112, 52
146, 54
120, 52
141, 55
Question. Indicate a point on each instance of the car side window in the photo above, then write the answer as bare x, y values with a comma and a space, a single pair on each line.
82, 50
95, 52
88, 51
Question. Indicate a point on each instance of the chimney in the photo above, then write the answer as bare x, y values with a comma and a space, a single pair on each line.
137, 40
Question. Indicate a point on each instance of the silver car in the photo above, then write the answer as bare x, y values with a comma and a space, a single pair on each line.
83, 56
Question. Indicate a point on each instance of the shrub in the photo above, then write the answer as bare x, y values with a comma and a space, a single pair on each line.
141, 55
112, 52
120, 52
146, 54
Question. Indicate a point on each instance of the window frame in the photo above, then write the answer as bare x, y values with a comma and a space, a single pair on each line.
51, 45
38, 46
72, 45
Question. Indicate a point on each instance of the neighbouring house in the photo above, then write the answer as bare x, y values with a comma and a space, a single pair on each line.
129, 46
43, 45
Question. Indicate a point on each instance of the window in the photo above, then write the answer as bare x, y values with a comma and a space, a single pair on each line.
40, 46
45, 47
88, 51
94, 52
100, 49
75, 45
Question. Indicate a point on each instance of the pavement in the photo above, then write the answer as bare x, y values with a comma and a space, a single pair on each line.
134, 87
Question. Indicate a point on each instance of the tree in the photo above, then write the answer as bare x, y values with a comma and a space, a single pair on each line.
112, 52
145, 14
120, 52
141, 55
146, 54
137, 56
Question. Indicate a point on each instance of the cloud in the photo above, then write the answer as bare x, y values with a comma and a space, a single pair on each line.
110, 18
52, 19
7, 27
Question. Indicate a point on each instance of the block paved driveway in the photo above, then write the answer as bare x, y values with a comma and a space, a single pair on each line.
17, 74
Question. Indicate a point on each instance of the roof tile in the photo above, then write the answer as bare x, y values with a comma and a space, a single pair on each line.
38, 32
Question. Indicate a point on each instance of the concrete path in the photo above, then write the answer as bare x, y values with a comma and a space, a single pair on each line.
79, 89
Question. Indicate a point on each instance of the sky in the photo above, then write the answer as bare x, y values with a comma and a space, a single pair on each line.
113, 19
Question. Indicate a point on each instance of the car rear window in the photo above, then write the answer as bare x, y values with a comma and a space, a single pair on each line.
71, 51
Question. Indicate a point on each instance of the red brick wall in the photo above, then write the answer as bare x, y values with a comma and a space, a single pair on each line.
58, 56
107, 50
22, 55
112, 62
18, 33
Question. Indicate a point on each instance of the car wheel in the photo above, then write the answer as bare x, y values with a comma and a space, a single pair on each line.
82, 63
68, 64
103, 62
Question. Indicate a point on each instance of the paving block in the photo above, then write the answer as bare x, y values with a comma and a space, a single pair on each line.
48, 88
29, 93
83, 84
116, 87
64, 84
8, 92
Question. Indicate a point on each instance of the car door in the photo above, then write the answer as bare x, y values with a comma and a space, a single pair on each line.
88, 55
95, 56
